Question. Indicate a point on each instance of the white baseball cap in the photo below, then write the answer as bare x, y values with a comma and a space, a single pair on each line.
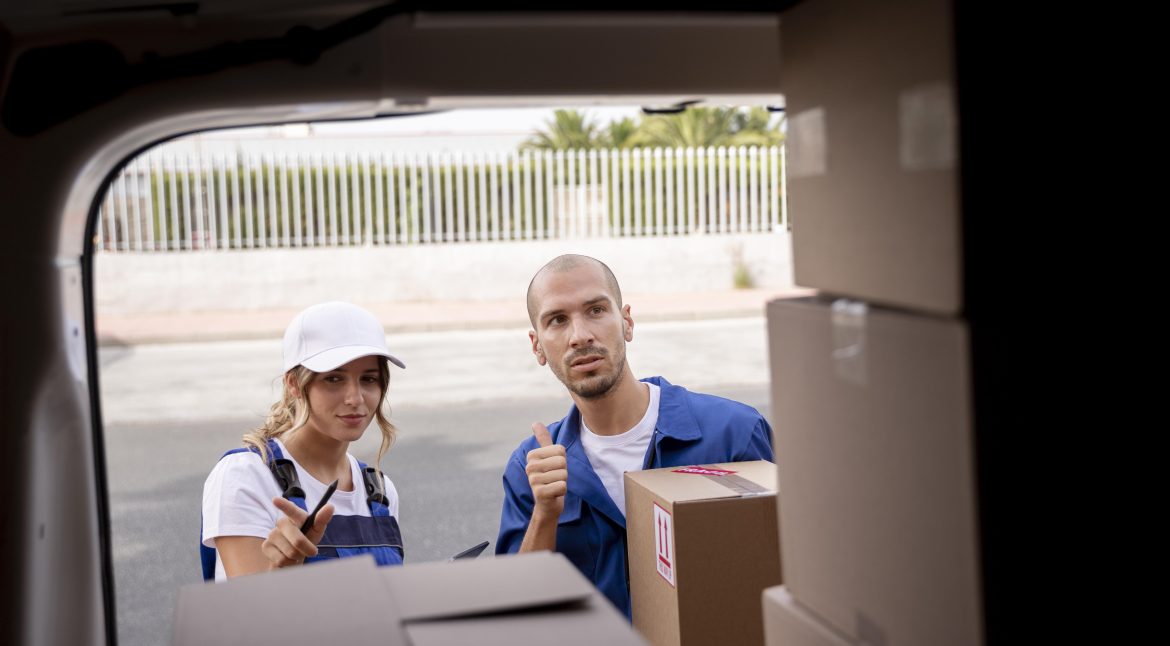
328, 335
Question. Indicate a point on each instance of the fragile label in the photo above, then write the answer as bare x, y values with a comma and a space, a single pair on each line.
704, 471
664, 543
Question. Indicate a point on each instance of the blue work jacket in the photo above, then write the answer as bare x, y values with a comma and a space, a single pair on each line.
692, 428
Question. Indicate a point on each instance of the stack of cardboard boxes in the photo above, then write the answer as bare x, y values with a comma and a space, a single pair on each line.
871, 401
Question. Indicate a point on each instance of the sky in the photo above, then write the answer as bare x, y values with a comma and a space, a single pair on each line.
462, 121
467, 130
466, 120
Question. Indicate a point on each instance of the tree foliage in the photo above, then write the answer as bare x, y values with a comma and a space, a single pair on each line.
694, 127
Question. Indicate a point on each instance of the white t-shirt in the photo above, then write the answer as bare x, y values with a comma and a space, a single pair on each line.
237, 498
613, 455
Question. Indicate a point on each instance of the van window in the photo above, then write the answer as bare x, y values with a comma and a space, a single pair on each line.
208, 245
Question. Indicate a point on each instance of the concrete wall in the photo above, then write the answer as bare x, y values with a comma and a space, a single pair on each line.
129, 283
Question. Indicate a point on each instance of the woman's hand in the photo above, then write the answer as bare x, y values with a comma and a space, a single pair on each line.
286, 545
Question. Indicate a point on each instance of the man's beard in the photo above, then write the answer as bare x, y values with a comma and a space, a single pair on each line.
594, 387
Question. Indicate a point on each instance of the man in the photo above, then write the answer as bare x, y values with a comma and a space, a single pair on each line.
563, 487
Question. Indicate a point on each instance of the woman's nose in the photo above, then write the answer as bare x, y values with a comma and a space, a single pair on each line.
353, 393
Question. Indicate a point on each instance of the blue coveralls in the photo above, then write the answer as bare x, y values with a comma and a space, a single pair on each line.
692, 428
377, 534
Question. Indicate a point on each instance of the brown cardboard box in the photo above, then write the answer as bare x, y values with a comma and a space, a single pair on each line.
872, 149
703, 544
501, 601
873, 442
324, 603
786, 623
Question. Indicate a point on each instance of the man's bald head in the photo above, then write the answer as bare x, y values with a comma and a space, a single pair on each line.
570, 262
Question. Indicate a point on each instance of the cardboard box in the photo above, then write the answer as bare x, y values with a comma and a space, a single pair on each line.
786, 623
505, 600
873, 441
322, 603
703, 544
872, 151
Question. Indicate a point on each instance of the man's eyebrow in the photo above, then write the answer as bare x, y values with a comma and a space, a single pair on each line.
544, 315
560, 310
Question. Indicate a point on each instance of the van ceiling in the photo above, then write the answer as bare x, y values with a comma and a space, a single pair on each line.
76, 8
427, 55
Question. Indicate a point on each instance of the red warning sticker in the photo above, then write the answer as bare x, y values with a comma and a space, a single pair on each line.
704, 471
664, 543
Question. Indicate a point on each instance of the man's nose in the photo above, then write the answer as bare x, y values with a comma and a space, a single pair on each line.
582, 334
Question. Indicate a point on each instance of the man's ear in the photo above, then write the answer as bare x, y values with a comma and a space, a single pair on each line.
627, 324
537, 351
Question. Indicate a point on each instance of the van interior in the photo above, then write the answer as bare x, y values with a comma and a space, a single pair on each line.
86, 85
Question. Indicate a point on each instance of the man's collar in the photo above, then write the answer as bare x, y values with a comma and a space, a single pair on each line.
675, 419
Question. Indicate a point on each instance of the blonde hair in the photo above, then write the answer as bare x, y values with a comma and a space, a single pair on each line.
291, 412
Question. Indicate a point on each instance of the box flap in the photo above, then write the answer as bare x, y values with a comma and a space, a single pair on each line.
708, 481
787, 623
328, 602
505, 583
590, 622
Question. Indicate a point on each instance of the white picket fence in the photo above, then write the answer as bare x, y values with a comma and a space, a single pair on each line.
167, 202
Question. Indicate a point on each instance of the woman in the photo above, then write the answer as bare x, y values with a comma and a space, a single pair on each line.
336, 374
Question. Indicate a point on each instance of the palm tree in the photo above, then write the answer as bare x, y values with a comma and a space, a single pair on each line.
567, 130
755, 121
715, 126
709, 127
619, 134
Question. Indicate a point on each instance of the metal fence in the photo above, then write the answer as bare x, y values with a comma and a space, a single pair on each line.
166, 202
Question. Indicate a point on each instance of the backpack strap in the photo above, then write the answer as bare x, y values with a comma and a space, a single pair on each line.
375, 490
285, 473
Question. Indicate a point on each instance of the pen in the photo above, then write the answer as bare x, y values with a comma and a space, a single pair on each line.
324, 499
